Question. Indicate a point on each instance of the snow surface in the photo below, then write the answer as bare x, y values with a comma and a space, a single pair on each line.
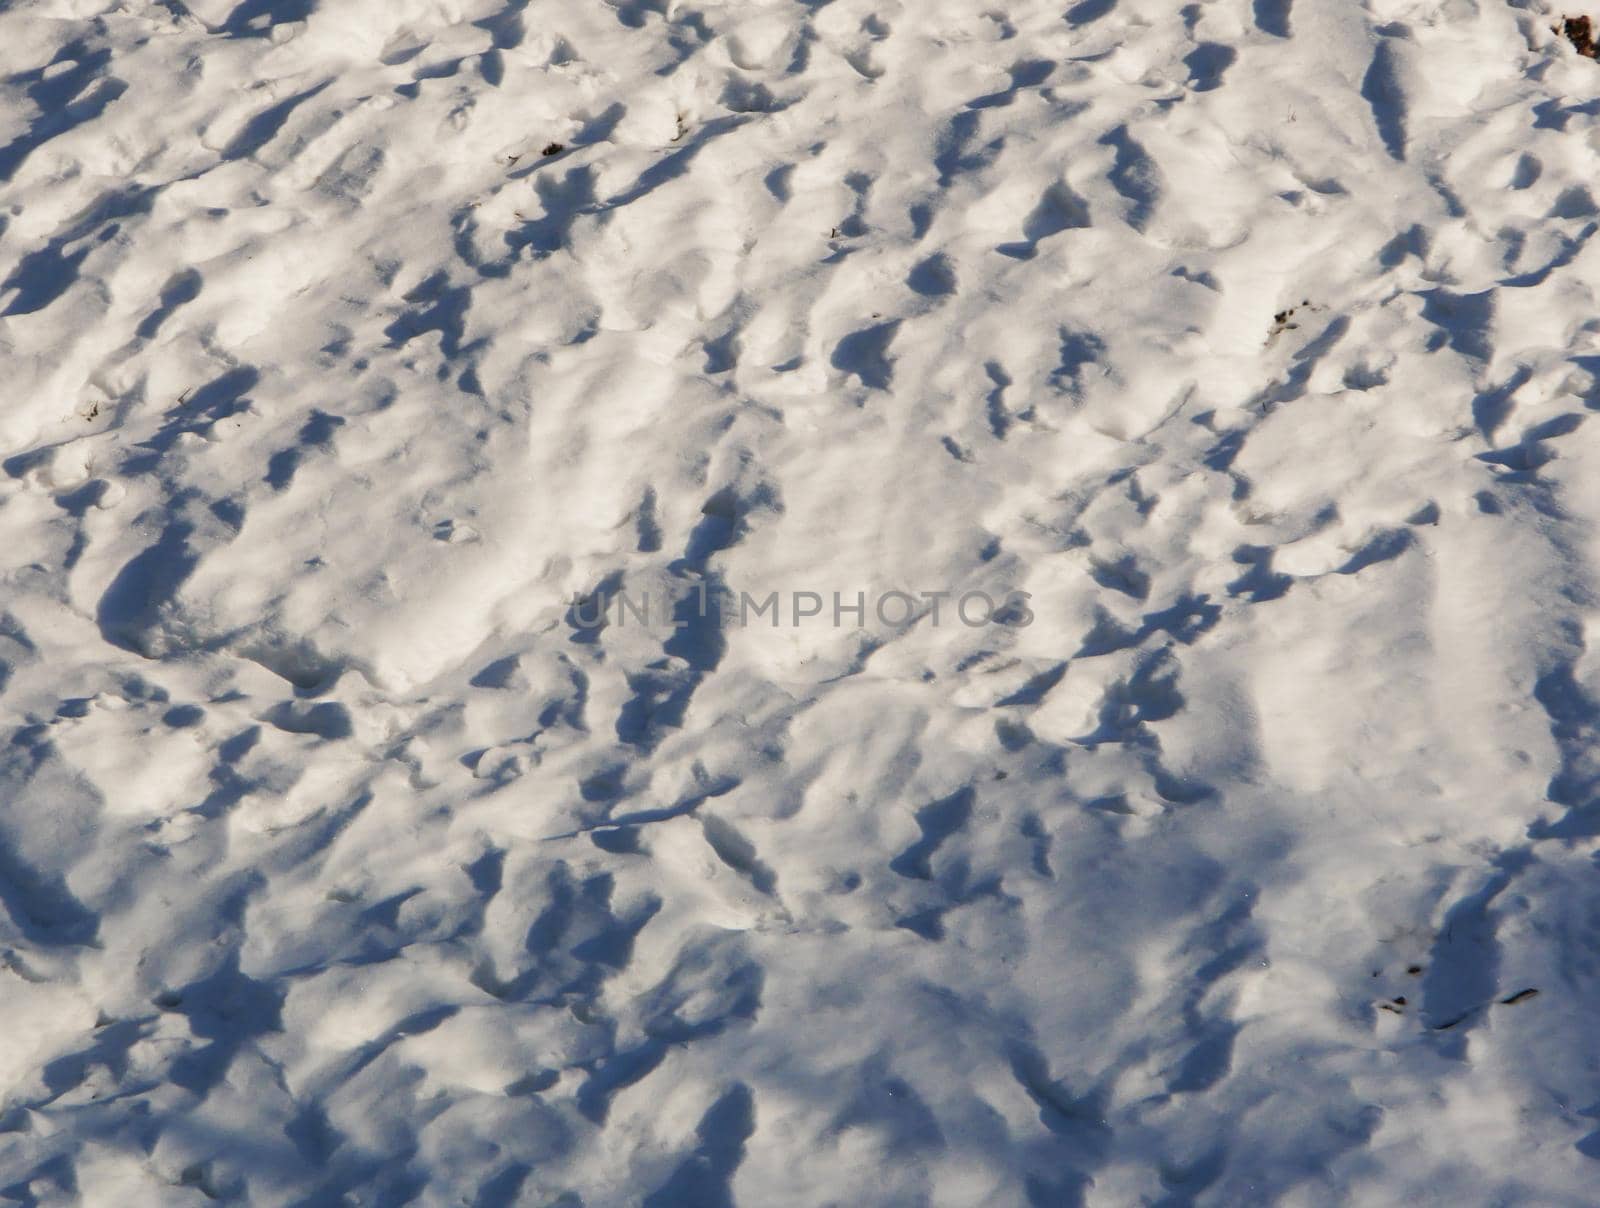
347, 343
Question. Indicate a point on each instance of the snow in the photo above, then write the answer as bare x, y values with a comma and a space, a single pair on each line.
355, 352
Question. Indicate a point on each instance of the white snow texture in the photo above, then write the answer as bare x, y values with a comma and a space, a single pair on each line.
366, 360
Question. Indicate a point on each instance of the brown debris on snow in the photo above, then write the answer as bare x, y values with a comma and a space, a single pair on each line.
1580, 32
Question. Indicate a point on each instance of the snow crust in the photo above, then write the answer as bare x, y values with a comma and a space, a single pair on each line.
356, 351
